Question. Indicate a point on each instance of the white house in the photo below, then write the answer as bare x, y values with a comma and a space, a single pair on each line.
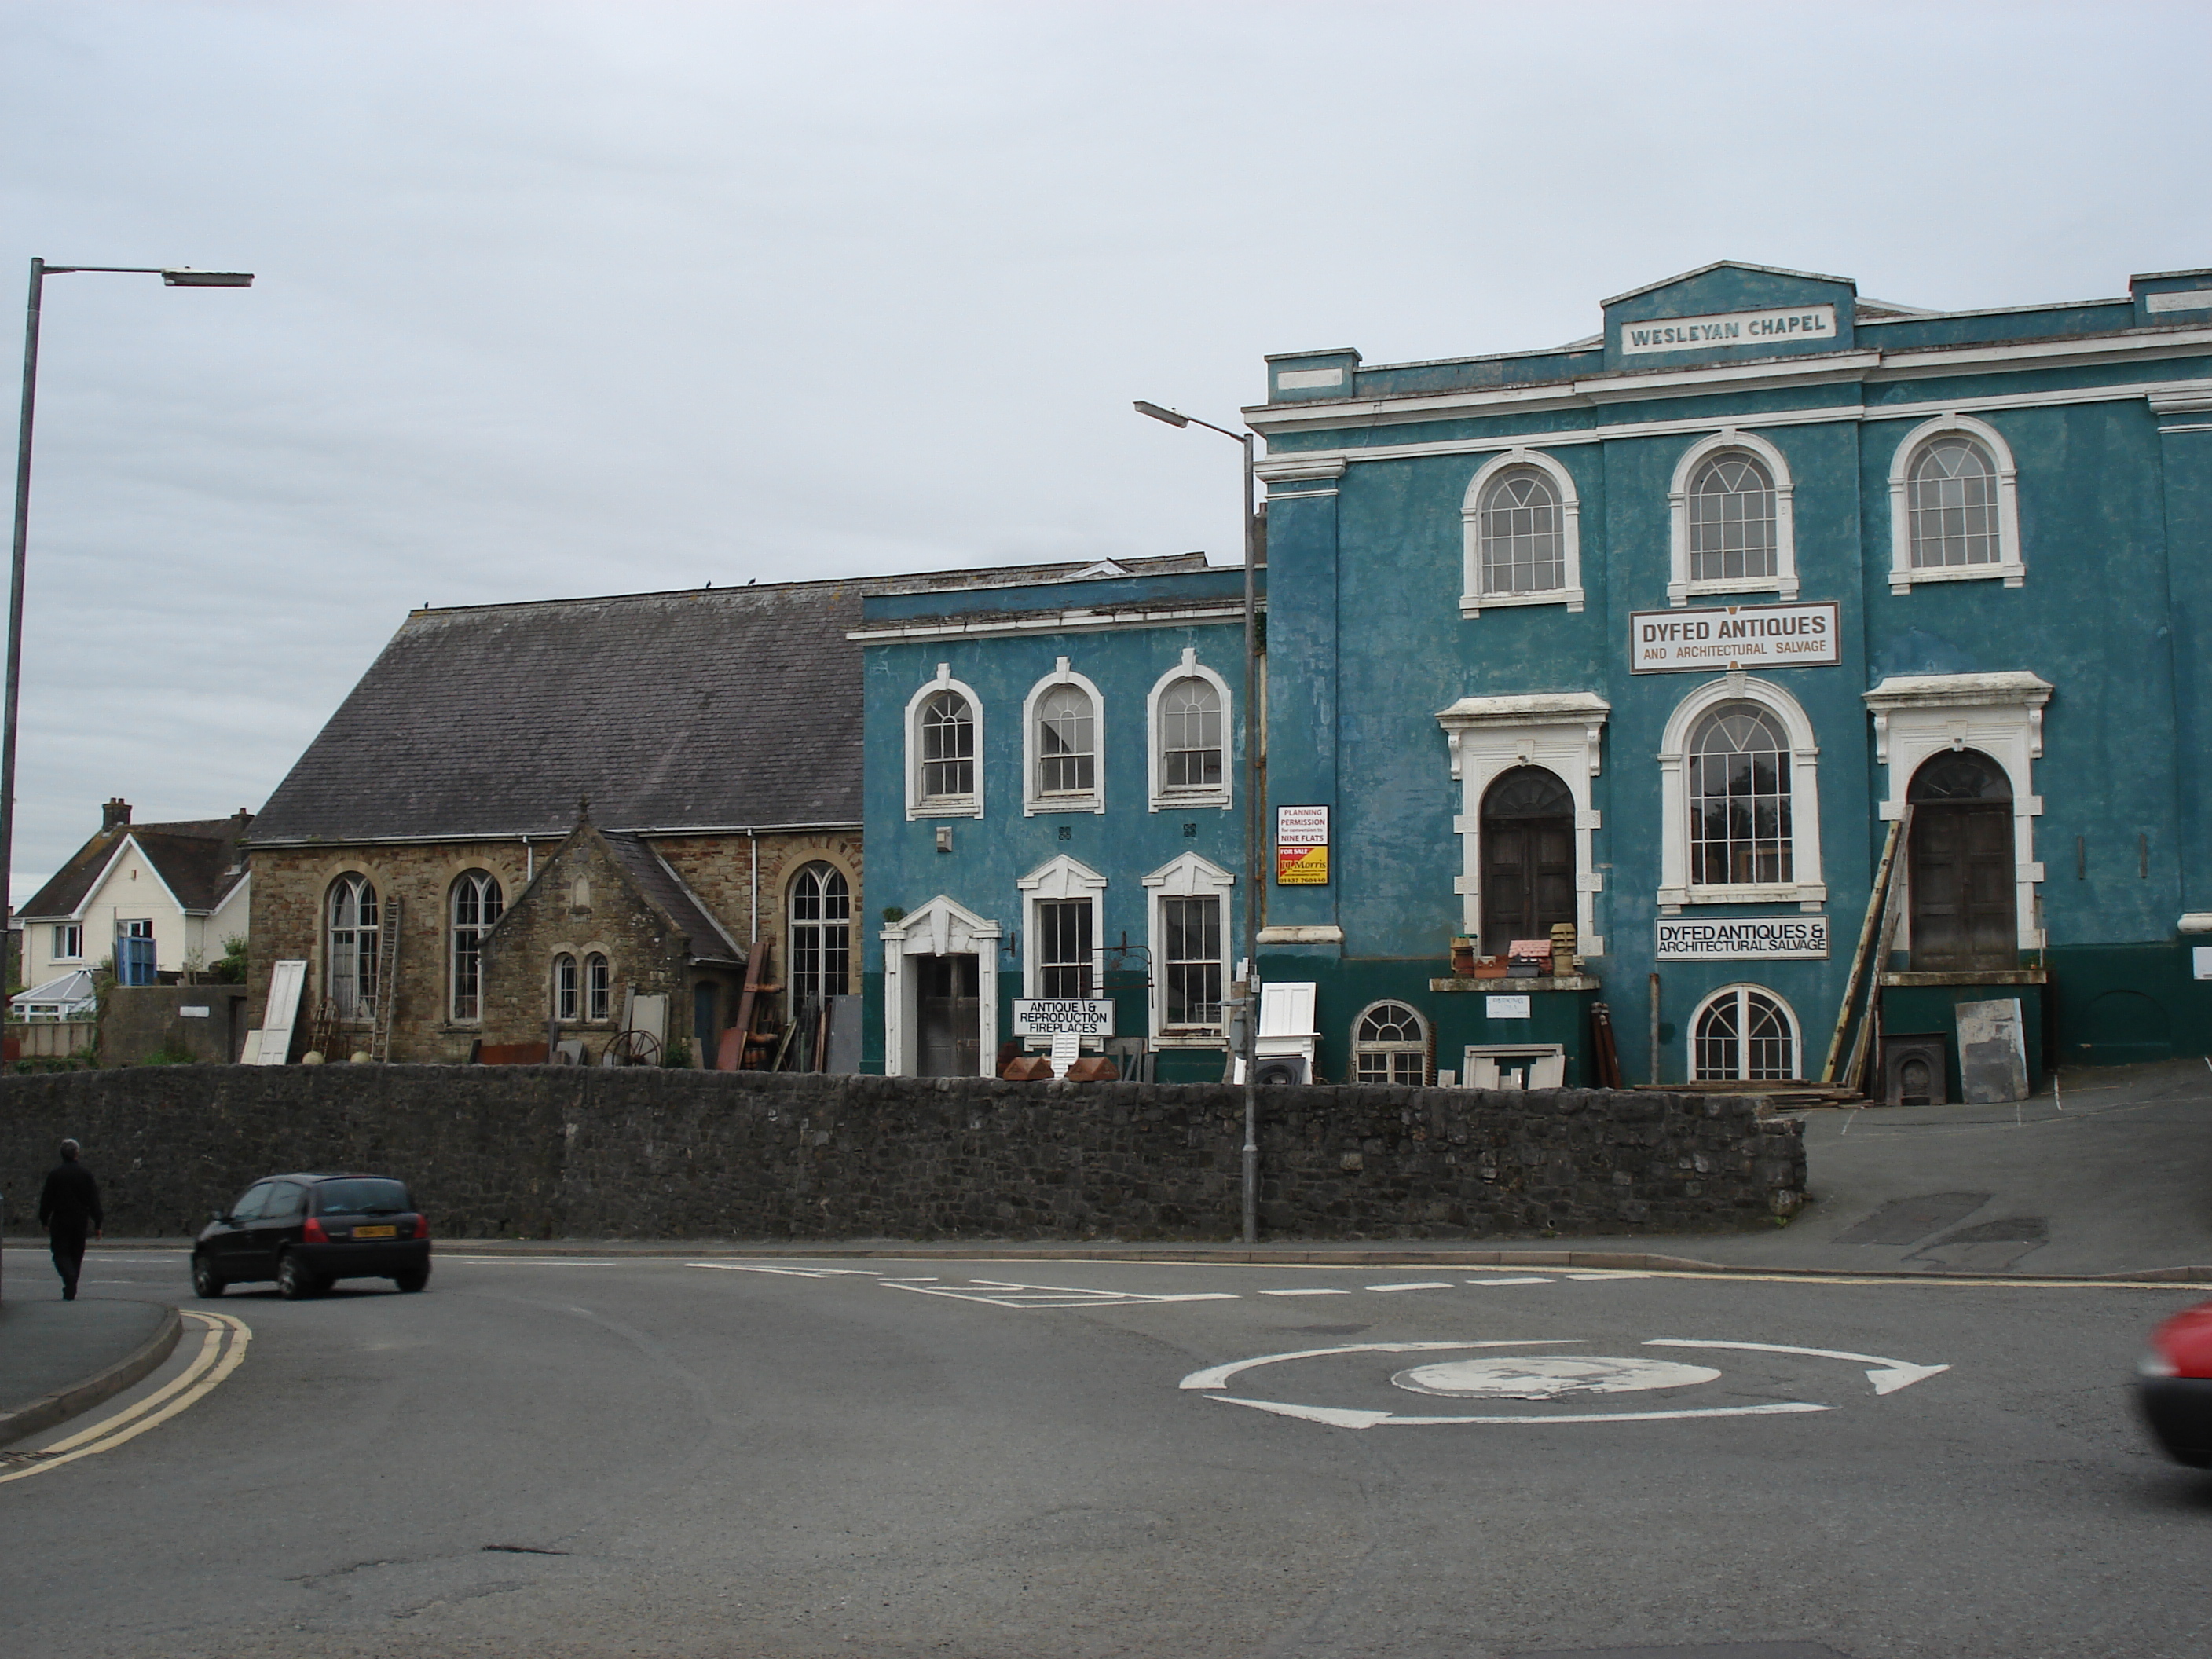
182, 885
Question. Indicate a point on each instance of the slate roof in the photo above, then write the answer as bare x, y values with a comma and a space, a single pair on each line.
198, 858
666, 889
710, 709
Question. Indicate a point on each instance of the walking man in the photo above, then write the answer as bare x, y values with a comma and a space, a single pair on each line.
68, 1205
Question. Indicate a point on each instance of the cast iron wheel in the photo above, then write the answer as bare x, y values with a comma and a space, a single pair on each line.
207, 1284
634, 1048
295, 1282
413, 1280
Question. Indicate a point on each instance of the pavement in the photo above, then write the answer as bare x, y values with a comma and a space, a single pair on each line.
58, 1358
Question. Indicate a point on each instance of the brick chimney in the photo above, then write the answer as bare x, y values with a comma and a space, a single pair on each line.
114, 814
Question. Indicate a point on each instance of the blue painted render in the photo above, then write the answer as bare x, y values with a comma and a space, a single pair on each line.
2106, 408
1004, 641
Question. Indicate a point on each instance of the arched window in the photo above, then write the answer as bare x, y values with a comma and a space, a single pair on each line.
1187, 756
477, 903
1190, 736
1954, 506
821, 951
566, 1004
1740, 798
596, 987
1744, 1033
1528, 857
1066, 742
948, 748
1962, 879
1390, 1044
1732, 519
353, 927
1952, 494
1524, 544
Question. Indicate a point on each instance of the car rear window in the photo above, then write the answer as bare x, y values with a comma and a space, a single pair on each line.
363, 1197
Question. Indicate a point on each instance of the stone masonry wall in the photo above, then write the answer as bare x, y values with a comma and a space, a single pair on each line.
291, 884
532, 1152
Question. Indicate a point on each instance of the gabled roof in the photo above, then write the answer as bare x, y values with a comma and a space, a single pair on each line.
1728, 265
668, 893
711, 709
197, 858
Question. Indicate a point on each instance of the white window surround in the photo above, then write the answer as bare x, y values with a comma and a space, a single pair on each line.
1035, 800
942, 927
1186, 877
943, 806
2001, 714
2011, 566
69, 942
1560, 732
1729, 992
1806, 890
1472, 601
1680, 590
1163, 798
1063, 879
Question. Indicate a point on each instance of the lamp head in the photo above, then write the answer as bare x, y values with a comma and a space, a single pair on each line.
1159, 414
186, 276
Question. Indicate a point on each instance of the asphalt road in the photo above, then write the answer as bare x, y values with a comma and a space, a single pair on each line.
548, 1457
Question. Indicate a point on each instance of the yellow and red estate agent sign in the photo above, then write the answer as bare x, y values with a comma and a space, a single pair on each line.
1302, 847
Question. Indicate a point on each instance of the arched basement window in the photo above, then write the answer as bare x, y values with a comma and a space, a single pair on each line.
1744, 1033
1390, 1044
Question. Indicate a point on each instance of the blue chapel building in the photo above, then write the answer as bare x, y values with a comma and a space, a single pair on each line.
1655, 634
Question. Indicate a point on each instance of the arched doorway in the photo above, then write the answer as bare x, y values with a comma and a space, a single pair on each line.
1528, 857
1964, 902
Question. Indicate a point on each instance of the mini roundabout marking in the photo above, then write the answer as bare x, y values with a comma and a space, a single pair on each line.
1544, 1377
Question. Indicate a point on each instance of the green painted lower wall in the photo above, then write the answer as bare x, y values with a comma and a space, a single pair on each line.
2115, 1005
1344, 987
2107, 1005
1910, 1009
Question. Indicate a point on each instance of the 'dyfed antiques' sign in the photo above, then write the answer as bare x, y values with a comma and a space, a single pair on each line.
1755, 635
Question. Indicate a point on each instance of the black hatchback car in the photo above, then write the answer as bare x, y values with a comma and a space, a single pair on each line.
306, 1231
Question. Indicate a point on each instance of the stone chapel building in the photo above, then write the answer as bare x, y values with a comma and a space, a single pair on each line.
574, 805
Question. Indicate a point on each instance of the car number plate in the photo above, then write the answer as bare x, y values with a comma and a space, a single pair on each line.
376, 1232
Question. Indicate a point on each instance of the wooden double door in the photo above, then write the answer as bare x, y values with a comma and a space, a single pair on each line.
1528, 857
1965, 896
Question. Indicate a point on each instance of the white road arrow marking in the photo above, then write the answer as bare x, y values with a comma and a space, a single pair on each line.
790, 1273
1218, 1376
1887, 1376
1337, 1418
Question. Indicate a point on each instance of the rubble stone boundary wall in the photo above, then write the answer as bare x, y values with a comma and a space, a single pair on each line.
539, 1151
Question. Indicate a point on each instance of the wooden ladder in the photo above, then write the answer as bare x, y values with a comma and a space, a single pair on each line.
1877, 934
387, 981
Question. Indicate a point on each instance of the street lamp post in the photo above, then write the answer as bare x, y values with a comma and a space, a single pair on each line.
1248, 1037
172, 276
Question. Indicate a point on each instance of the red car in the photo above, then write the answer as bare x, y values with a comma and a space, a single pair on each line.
2175, 1389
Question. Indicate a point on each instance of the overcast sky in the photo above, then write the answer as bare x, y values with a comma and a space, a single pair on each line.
572, 299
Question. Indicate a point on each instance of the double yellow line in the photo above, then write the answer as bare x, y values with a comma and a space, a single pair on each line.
222, 1347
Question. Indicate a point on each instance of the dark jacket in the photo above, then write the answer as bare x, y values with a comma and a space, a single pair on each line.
70, 1198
